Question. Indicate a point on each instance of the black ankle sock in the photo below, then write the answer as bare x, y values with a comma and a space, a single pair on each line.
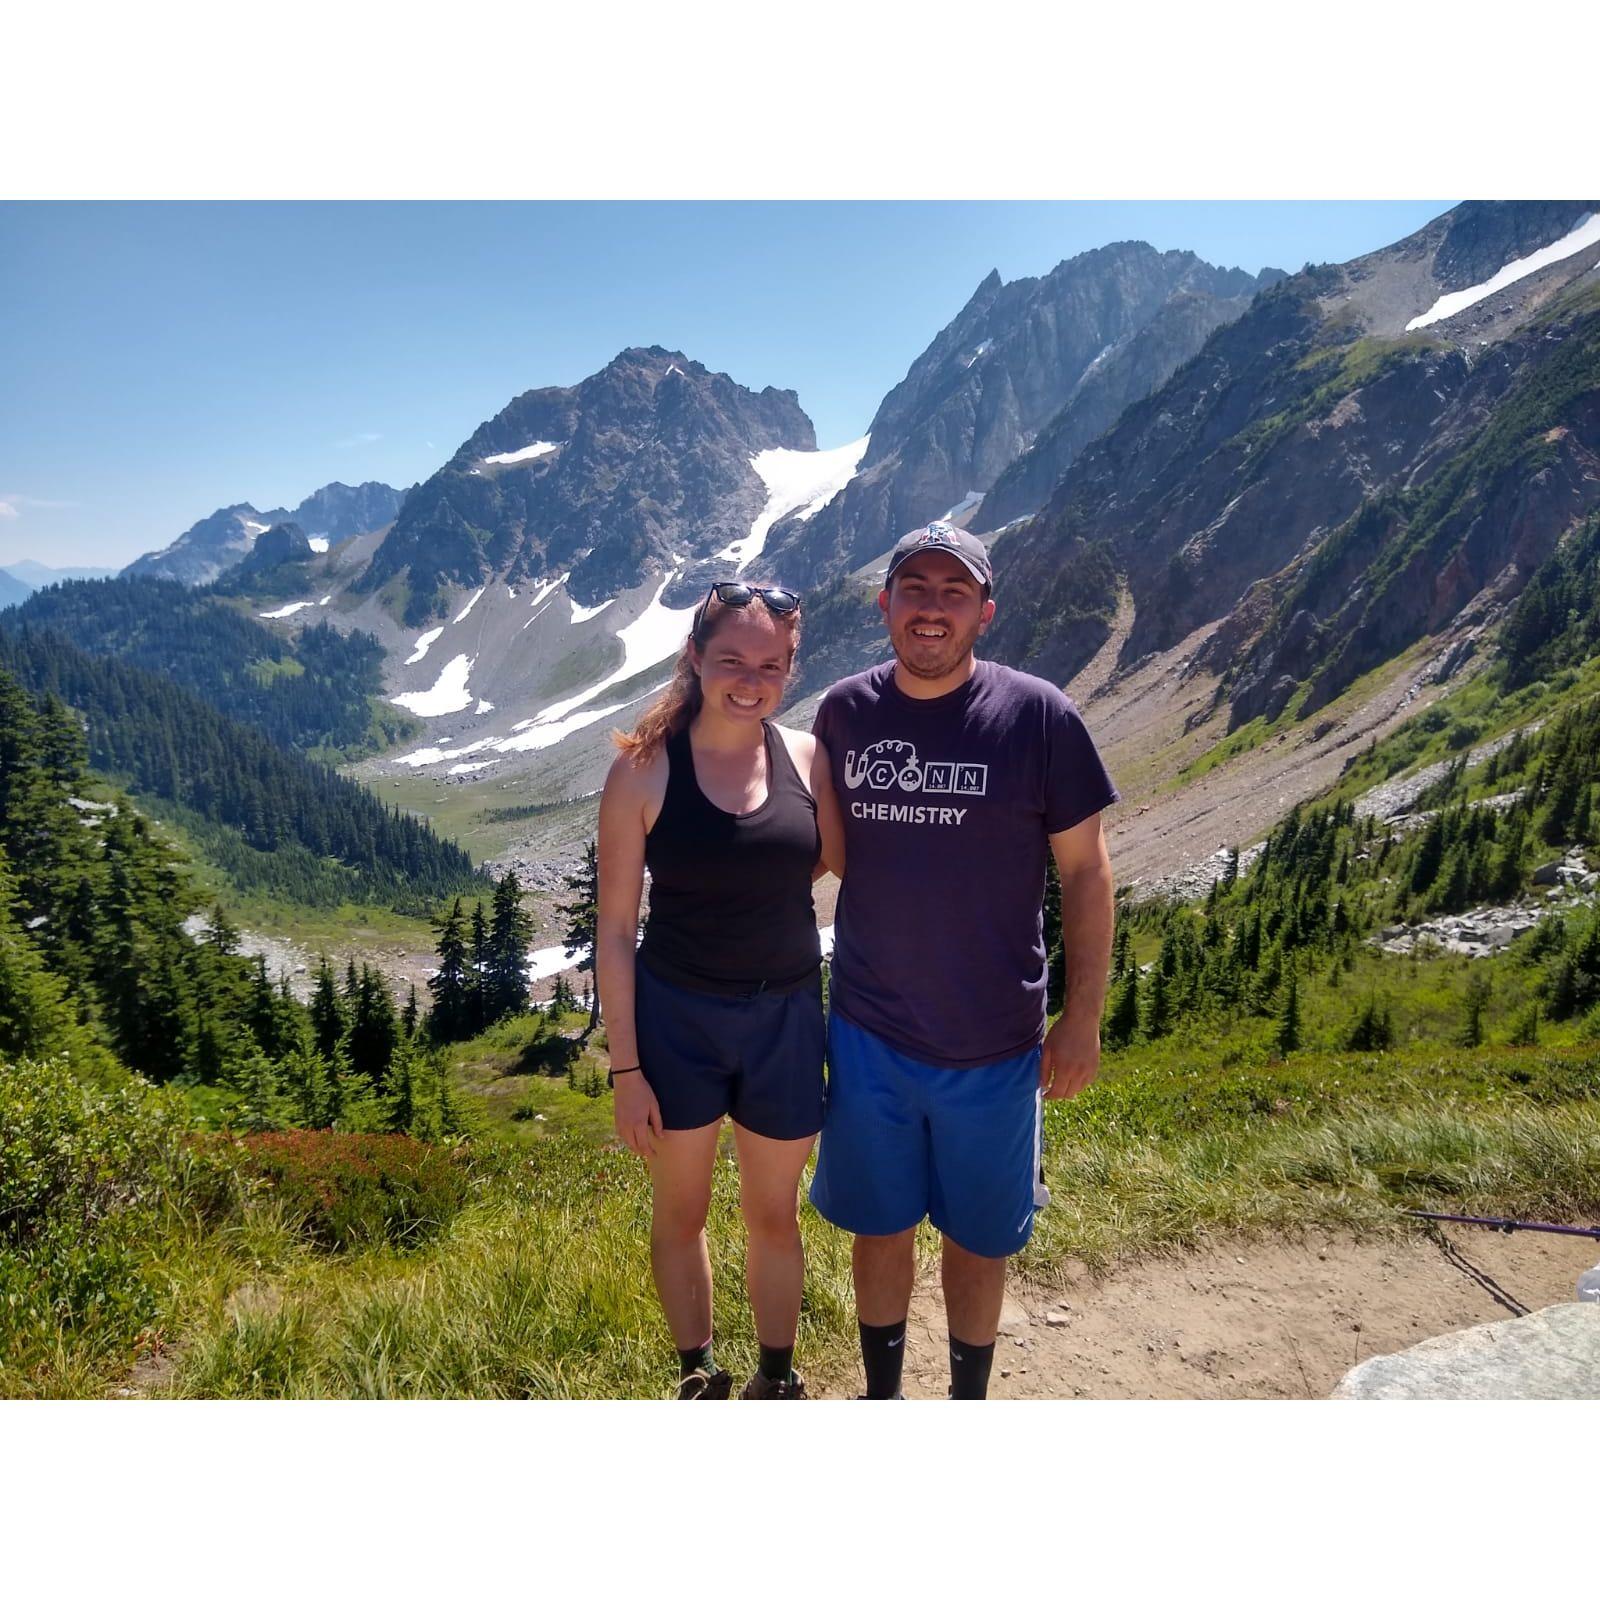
699, 1359
969, 1369
777, 1362
883, 1354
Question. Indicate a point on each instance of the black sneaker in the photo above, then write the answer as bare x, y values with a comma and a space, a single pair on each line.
791, 1388
702, 1385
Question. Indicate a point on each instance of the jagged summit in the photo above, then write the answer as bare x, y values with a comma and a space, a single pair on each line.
642, 466
217, 543
1324, 487
993, 380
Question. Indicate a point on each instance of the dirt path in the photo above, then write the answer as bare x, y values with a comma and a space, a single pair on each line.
1245, 1321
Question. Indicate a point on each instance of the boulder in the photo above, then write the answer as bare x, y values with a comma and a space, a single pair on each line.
1552, 1354
1547, 874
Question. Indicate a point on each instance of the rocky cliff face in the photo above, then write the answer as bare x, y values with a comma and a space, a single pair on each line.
340, 511
1134, 367
987, 385
209, 548
219, 542
642, 466
1333, 493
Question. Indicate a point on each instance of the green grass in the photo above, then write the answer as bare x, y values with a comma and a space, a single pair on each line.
540, 1286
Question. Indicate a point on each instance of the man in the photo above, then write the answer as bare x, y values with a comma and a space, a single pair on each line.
955, 777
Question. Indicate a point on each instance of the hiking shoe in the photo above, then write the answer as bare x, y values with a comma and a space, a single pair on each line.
700, 1385
759, 1388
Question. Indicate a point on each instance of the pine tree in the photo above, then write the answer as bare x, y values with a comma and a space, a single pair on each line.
408, 1018
1119, 950
510, 939
1289, 1021
1157, 1014
580, 913
1477, 1001
562, 999
373, 1028
264, 1105
450, 1016
328, 1020
478, 979
1122, 1021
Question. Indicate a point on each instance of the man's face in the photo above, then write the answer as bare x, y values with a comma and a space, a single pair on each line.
935, 610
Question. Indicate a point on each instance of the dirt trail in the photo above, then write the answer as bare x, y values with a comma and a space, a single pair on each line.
1244, 1321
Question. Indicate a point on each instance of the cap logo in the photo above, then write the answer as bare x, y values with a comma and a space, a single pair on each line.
938, 533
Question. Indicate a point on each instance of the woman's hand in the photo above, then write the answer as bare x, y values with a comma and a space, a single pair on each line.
636, 1113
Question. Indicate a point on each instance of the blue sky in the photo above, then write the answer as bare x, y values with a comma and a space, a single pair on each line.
163, 360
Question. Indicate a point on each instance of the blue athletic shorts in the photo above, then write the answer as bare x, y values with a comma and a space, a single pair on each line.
903, 1140
757, 1059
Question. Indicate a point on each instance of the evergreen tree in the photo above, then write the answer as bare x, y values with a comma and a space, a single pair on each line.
328, 1020
1477, 1000
374, 1030
580, 912
408, 1018
1122, 1021
264, 1105
1157, 1012
450, 1016
478, 980
1288, 1039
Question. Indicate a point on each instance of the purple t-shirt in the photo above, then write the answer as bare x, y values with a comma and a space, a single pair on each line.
948, 806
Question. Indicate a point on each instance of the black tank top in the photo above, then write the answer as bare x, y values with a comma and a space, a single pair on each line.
730, 896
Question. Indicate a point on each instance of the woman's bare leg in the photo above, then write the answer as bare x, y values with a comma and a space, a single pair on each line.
775, 1267
680, 1176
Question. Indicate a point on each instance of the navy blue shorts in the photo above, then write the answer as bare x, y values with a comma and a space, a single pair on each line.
756, 1059
906, 1140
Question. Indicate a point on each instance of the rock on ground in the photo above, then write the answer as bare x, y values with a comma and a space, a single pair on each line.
1552, 1354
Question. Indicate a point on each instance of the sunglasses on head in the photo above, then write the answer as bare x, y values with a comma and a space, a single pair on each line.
777, 601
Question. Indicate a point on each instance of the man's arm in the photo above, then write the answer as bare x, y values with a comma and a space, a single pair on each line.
1072, 1047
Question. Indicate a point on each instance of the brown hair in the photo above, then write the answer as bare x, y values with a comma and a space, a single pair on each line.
678, 704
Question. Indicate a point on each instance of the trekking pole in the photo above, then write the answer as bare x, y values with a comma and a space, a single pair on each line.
1507, 1225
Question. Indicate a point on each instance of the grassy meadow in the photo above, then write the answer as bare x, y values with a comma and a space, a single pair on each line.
145, 1258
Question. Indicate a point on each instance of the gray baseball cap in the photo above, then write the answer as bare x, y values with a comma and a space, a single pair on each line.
966, 547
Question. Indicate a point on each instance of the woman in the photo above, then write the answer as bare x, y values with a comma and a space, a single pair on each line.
720, 1011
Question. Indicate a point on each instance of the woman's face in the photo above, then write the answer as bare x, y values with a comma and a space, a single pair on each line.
744, 665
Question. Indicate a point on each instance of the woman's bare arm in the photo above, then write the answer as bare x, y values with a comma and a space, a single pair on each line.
626, 808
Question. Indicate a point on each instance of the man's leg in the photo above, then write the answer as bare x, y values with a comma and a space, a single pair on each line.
884, 1266
974, 1288
985, 1133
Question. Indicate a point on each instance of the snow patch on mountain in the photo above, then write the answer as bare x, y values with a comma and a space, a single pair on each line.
462, 614
529, 452
449, 693
655, 634
1585, 234
968, 502
797, 481
538, 735
318, 543
583, 613
483, 705
471, 766
285, 611
420, 648
325, 599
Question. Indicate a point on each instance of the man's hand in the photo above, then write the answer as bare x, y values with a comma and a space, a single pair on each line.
1071, 1057
636, 1113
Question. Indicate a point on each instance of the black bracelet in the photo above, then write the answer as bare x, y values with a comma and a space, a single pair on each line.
613, 1073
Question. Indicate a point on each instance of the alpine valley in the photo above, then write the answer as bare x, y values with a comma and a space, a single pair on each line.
1316, 553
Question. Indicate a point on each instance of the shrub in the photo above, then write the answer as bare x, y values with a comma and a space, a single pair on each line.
354, 1189
83, 1167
